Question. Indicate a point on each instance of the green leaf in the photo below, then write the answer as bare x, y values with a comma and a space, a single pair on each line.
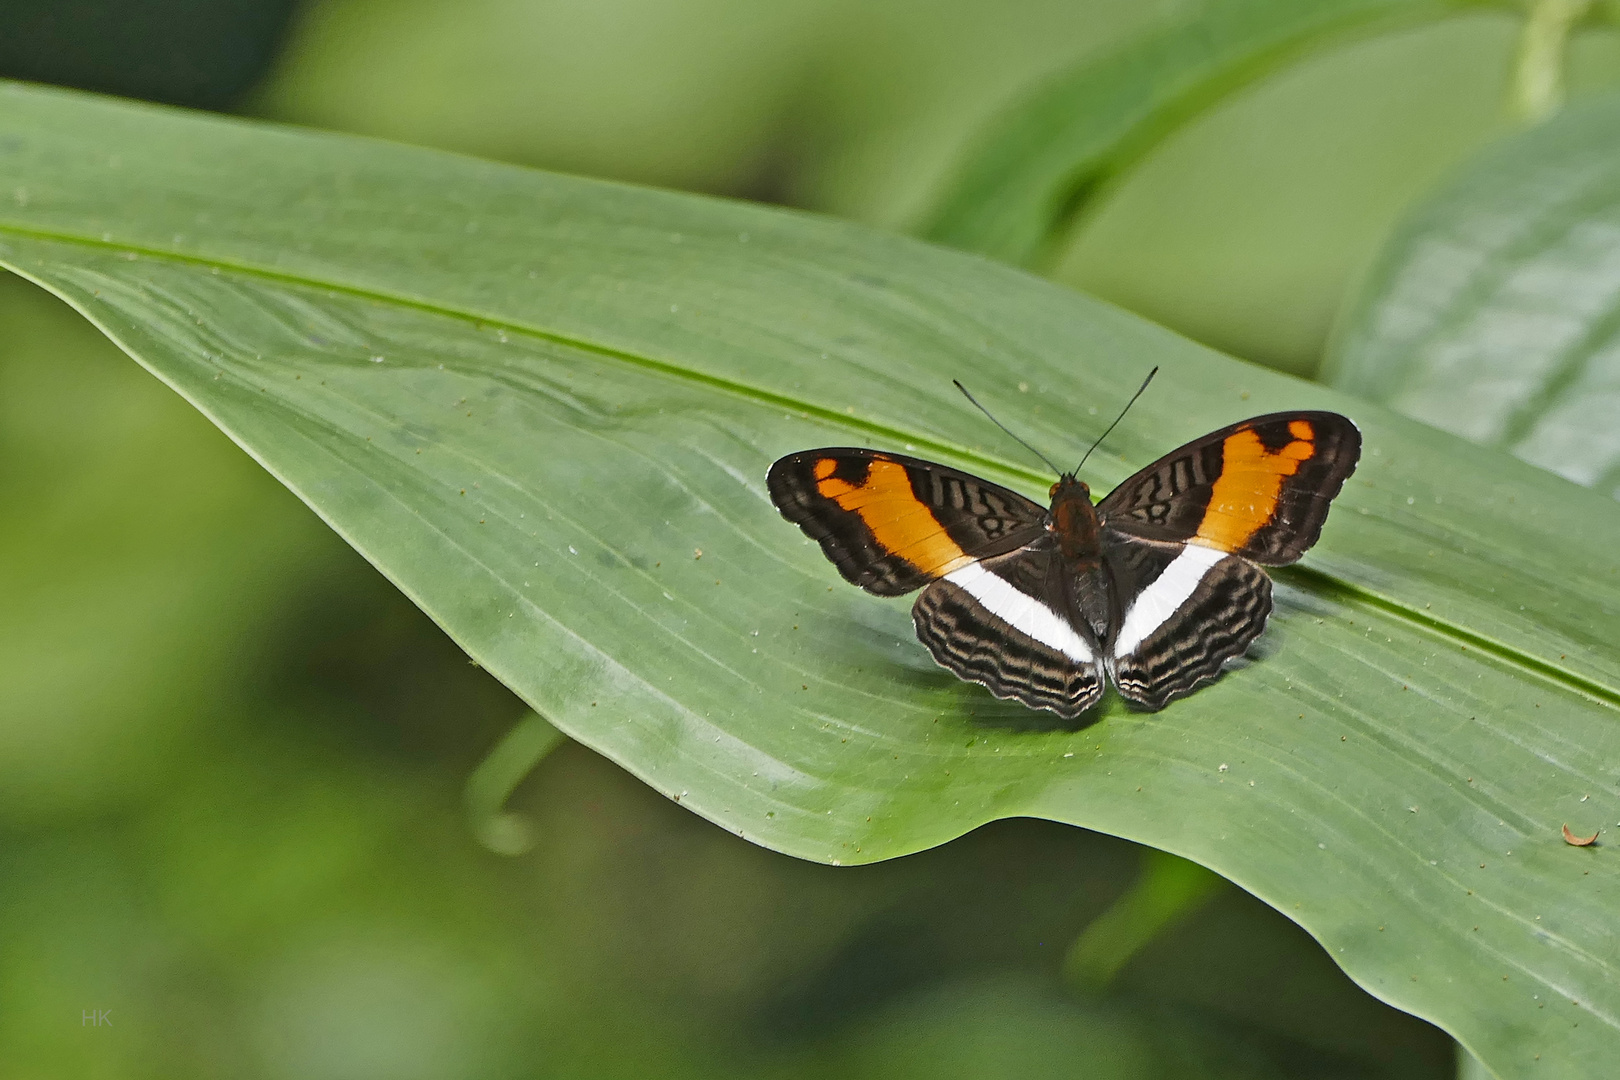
544, 406
1494, 313
1048, 156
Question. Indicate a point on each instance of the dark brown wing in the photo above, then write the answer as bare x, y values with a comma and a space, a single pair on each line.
1003, 622
1259, 489
892, 523
1187, 609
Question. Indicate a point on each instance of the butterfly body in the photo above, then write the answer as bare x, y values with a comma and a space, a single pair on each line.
1154, 588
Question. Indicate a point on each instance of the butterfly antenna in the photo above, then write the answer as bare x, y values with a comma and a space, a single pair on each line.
1118, 418
1007, 429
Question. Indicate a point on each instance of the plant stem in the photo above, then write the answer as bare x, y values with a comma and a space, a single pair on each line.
1168, 889
498, 775
1537, 89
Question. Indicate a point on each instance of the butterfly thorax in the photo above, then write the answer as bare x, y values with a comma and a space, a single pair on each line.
1073, 521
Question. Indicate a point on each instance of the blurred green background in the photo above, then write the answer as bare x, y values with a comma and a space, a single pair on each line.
233, 758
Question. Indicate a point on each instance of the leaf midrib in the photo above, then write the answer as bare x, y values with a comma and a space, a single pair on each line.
1310, 578
1323, 582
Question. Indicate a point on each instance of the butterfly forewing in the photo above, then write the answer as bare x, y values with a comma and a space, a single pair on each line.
1259, 489
892, 523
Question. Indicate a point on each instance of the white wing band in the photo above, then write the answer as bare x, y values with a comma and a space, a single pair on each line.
1021, 611
1165, 596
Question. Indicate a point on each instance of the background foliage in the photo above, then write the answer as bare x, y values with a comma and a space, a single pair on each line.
233, 758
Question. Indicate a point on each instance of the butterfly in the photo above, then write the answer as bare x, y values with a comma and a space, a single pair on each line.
1154, 588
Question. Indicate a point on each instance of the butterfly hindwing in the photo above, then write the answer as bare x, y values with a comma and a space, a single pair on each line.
1259, 489
892, 523
993, 622
1188, 609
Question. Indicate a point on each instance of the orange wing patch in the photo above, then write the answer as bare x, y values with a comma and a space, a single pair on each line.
901, 525
1244, 496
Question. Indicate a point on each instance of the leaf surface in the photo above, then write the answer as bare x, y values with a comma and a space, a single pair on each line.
544, 406
1044, 160
1494, 313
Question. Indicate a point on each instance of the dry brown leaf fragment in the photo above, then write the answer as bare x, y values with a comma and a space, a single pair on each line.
1579, 841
